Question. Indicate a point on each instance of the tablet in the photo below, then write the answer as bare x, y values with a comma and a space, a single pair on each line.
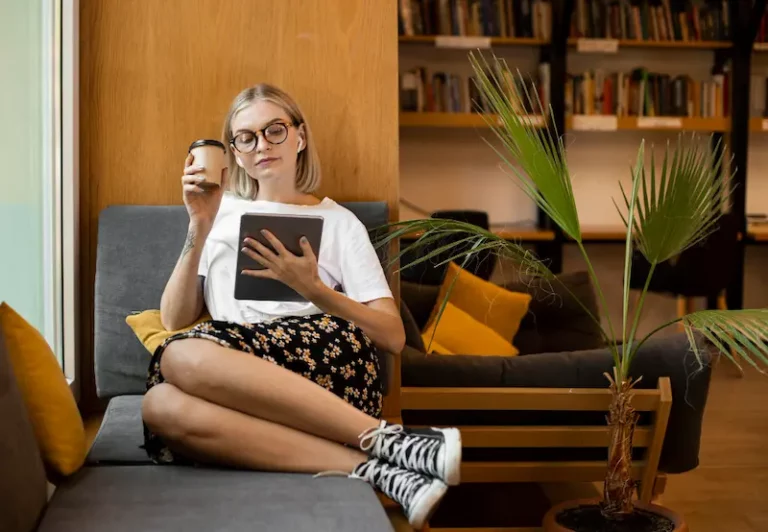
288, 229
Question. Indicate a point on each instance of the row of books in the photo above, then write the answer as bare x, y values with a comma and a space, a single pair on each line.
440, 92
492, 18
644, 93
652, 20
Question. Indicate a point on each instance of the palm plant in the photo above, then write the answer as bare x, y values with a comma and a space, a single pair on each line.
664, 215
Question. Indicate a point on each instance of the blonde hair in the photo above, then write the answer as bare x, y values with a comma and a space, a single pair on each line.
307, 161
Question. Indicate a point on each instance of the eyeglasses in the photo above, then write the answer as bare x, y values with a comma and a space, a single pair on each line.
246, 141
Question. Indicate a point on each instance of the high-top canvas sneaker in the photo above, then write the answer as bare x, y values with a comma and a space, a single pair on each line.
435, 452
418, 494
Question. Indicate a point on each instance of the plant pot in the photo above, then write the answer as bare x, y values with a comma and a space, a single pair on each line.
550, 523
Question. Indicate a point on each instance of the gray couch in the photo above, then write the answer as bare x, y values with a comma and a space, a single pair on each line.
119, 489
560, 347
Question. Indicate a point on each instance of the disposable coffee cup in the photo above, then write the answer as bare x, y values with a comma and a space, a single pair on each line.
211, 155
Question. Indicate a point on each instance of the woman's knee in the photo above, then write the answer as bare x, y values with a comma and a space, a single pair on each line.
182, 363
166, 410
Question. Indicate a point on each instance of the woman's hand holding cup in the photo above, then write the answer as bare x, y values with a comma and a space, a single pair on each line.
201, 197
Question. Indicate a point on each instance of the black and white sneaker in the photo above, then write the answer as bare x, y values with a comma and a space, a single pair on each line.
418, 494
435, 452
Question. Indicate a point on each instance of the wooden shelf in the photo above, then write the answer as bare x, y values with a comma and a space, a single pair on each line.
525, 233
758, 232
699, 45
598, 233
494, 41
459, 120
622, 123
758, 124
472, 42
659, 123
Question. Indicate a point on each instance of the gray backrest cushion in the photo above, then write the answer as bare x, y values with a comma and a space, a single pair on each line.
138, 246
22, 476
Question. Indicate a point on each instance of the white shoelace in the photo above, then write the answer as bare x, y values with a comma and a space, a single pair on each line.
398, 484
408, 451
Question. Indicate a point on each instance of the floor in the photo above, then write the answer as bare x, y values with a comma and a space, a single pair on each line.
729, 489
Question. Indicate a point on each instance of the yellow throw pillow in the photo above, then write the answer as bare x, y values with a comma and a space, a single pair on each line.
490, 304
459, 333
150, 331
51, 406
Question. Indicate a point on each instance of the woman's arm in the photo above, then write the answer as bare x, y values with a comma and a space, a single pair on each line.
379, 319
182, 300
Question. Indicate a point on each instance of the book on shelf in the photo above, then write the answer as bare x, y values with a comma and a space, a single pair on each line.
488, 18
424, 91
762, 30
644, 93
651, 20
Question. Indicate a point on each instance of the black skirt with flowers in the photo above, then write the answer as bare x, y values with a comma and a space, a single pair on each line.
330, 351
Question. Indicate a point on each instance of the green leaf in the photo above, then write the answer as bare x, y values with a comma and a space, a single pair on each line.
540, 170
737, 334
688, 202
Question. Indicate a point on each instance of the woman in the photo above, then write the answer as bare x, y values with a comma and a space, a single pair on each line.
284, 386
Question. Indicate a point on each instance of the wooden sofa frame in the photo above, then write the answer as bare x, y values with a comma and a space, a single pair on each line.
658, 401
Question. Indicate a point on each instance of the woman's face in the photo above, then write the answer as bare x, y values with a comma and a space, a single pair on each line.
267, 144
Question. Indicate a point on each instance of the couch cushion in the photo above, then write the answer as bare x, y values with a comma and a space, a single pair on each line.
121, 434
488, 303
22, 477
125, 498
138, 247
51, 406
556, 320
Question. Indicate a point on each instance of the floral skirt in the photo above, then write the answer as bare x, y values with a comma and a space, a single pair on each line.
329, 351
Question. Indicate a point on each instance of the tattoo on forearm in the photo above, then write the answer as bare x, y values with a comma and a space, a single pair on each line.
189, 244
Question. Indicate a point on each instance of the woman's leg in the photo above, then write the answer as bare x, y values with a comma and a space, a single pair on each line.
254, 386
207, 432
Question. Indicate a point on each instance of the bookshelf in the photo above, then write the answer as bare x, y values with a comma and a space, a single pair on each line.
581, 122
474, 42
722, 32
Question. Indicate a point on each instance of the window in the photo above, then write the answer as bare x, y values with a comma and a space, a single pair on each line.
38, 185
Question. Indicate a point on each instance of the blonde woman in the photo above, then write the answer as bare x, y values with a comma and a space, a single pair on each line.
284, 386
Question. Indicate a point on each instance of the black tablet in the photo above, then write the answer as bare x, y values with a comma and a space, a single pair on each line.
288, 228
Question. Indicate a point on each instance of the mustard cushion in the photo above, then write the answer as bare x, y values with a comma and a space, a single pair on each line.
490, 304
149, 329
52, 409
458, 332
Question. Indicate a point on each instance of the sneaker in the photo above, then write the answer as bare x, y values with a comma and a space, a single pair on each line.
434, 452
418, 494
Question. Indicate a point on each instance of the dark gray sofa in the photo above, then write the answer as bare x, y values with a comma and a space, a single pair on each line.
560, 347
119, 489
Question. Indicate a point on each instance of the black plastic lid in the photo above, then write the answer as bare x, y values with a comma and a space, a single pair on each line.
207, 142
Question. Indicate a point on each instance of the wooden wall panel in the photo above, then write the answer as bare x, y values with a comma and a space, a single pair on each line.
156, 75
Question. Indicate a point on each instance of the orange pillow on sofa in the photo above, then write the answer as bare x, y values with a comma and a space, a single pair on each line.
459, 333
52, 409
488, 303
149, 329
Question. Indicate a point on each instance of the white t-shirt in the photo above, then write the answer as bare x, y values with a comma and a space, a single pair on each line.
346, 259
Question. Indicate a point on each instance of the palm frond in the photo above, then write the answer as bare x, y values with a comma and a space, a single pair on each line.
685, 206
452, 240
541, 170
737, 334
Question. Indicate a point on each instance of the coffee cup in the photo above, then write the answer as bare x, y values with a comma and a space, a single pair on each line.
211, 155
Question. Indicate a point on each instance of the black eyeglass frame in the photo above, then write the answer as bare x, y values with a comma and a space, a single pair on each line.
262, 132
